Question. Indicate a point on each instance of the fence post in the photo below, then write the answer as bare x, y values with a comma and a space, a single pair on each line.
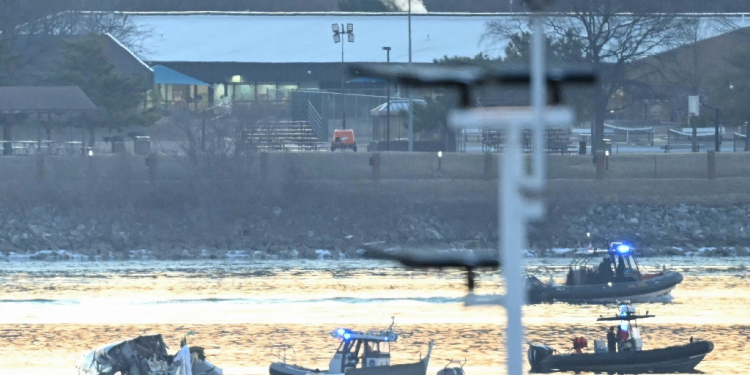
600, 164
488, 166
375, 163
711, 165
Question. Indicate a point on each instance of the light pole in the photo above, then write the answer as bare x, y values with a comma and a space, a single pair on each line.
411, 112
349, 32
388, 103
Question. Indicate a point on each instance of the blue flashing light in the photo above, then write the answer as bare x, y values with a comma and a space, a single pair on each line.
341, 331
623, 249
386, 339
347, 336
624, 326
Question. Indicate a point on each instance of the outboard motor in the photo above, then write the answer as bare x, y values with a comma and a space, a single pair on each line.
453, 370
535, 290
537, 353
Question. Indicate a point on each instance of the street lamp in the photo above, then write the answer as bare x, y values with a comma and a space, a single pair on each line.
349, 32
388, 103
411, 111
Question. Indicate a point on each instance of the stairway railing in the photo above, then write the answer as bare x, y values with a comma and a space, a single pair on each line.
316, 121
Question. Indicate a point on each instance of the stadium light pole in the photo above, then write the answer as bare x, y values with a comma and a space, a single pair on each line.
411, 104
388, 103
337, 35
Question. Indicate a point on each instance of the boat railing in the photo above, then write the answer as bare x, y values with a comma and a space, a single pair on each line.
280, 352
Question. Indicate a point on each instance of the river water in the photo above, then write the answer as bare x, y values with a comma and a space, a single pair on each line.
51, 313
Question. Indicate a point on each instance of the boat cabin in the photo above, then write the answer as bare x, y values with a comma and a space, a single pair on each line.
622, 259
628, 334
618, 265
372, 348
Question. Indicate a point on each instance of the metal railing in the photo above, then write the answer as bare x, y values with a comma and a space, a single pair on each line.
316, 121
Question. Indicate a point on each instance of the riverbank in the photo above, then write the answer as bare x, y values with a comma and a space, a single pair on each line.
329, 231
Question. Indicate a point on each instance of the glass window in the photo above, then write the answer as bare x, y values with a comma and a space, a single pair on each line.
266, 91
218, 93
180, 93
202, 93
309, 86
284, 92
244, 92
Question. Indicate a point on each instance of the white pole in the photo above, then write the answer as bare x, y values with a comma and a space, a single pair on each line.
538, 102
512, 237
411, 104
513, 231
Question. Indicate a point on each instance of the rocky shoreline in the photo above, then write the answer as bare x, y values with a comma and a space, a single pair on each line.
268, 232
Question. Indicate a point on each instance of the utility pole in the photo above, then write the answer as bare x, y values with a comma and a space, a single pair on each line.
343, 93
388, 103
411, 103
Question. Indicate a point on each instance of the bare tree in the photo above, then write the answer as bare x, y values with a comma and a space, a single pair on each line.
610, 39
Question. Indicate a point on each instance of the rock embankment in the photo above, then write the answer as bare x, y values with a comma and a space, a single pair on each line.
335, 232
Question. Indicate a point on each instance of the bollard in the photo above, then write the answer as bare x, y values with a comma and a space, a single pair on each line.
488, 166
600, 160
711, 165
375, 163
264, 166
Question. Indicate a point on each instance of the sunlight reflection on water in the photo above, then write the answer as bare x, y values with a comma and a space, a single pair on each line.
50, 313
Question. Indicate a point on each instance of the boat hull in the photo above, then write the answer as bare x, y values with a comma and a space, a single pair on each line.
279, 368
417, 368
682, 358
654, 287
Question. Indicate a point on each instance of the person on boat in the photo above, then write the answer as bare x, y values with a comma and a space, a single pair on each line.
611, 340
620, 272
579, 343
622, 337
605, 270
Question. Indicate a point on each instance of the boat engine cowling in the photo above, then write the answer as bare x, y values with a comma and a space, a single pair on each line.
537, 353
535, 290
451, 371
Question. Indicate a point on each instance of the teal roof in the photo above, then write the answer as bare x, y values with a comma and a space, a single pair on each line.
166, 76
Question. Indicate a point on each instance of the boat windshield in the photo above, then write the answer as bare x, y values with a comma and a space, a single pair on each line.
376, 347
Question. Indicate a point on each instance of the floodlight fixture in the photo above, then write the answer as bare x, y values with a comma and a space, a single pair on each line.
386, 48
349, 27
336, 38
351, 38
335, 27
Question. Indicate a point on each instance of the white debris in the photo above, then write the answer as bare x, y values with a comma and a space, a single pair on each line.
323, 254
237, 254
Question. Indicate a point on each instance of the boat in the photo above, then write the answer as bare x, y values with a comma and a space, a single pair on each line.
145, 355
358, 353
630, 357
453, 370
618, 277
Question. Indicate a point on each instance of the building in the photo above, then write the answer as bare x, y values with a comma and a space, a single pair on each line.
262, 58
696, 68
